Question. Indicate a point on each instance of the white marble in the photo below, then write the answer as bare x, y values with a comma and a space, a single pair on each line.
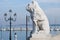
40, 34
57, 37
40, 21
38, 17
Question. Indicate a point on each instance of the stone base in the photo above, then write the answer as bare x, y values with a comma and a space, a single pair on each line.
40, 36
57, 37
40, 39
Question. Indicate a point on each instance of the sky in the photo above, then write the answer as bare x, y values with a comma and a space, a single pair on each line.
50, 7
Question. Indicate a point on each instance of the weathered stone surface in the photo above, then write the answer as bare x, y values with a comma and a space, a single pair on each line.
38, 17
40, 34
57, 37
39, 39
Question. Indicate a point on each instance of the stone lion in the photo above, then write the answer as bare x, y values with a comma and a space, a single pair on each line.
38, 17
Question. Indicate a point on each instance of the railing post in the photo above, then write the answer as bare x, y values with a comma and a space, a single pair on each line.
26, 27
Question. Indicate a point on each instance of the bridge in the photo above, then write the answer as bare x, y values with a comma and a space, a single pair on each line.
24, 29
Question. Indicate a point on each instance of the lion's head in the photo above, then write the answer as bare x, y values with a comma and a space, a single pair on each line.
31, 6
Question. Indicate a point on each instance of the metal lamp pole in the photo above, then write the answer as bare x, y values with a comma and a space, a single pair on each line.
10, 19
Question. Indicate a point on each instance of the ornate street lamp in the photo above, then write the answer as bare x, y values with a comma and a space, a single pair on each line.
10, 19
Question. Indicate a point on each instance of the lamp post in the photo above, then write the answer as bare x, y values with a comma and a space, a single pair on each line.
10, 19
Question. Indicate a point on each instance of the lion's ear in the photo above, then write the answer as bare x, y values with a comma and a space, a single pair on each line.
32, 2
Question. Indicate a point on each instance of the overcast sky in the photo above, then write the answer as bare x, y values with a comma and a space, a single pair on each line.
50, 7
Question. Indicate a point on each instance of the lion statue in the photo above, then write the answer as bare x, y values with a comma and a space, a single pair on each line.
38, 17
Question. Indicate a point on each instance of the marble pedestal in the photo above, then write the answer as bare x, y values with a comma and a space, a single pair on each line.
40, 39
40, 36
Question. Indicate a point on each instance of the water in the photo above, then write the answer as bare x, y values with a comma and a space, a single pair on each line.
21, 35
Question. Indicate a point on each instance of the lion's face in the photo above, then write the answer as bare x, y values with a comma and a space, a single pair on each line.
30, 7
